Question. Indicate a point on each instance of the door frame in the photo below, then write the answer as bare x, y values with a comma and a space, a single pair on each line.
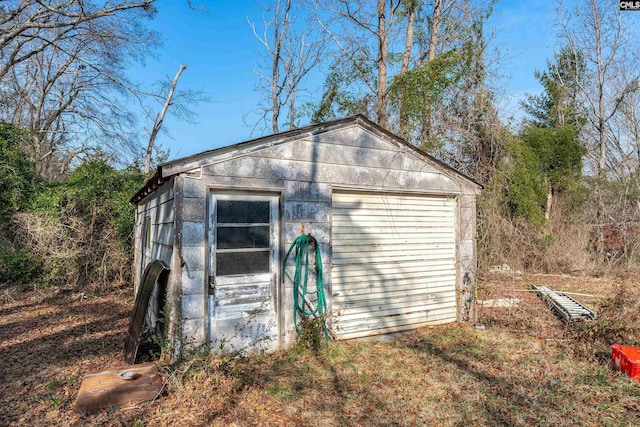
276, 210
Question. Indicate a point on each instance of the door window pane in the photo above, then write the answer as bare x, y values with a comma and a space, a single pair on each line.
242, 212
242, 237
228, 263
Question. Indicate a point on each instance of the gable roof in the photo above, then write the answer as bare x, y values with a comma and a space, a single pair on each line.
169, 169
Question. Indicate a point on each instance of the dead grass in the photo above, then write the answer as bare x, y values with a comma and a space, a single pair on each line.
524, 368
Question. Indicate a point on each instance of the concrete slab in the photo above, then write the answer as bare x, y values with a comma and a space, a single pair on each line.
499, 302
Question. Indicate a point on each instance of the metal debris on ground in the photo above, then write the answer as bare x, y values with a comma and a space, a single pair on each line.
563, 305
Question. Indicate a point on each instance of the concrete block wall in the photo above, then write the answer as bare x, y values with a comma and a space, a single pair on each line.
467, 257
192, 229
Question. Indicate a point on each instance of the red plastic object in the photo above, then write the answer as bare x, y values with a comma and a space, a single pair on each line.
627, 359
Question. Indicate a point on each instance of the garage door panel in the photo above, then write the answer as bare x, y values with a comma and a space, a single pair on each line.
427, 248
421, 314
434, 278
413, 290
345, 276
401, 214
396, 304
414, 247
403, 263
364, 326
382, 259
422, 317
386, 222
382, 270
359, 330
350, 200
423, 310
377, 228
389, 238
393, 262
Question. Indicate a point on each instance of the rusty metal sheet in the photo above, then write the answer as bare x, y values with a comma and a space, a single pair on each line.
156, 272
119, 387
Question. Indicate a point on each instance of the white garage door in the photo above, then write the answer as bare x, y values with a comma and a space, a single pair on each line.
393, 262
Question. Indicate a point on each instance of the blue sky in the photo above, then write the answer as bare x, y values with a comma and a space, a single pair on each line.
221, 52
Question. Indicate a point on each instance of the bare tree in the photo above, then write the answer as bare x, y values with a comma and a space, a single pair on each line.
623, 130
595, 30
28, 27
63, 75
290, 53
362, 32
69, 107
157, 123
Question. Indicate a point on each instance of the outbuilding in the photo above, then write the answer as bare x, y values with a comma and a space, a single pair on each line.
396, 229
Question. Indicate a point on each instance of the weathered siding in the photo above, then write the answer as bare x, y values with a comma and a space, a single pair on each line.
159, 208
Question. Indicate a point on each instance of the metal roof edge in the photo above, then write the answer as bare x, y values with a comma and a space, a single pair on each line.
149, 187
171, 168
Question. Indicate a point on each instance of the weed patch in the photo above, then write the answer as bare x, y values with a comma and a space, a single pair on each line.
523, 369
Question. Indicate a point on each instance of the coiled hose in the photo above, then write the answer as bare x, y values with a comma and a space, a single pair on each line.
300, 246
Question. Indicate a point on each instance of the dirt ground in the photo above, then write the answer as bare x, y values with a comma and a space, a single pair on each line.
522, 368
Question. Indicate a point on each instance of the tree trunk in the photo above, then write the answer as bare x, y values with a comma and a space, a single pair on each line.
406, 57
292, 109
157, 124
425, 133
547, 208
435, 29
275, 64
602, 138
383, 42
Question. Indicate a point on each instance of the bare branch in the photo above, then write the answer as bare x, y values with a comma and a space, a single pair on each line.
157, 124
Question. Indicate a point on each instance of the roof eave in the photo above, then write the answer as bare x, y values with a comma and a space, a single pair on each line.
149, 187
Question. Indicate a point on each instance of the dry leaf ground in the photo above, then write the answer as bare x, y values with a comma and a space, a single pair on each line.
524, 368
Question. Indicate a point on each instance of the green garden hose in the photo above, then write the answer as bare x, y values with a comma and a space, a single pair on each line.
301, 255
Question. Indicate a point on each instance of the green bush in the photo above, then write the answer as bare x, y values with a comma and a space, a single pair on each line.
73, 233
524, 184
19, 266
18, 175
18, 182
95, 194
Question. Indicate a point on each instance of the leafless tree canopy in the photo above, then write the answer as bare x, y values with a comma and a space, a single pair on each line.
290, 49
598, 31
63, 75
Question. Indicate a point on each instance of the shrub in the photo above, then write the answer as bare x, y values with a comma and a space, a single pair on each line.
18, 176
80, 230
618, 322
19, 266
